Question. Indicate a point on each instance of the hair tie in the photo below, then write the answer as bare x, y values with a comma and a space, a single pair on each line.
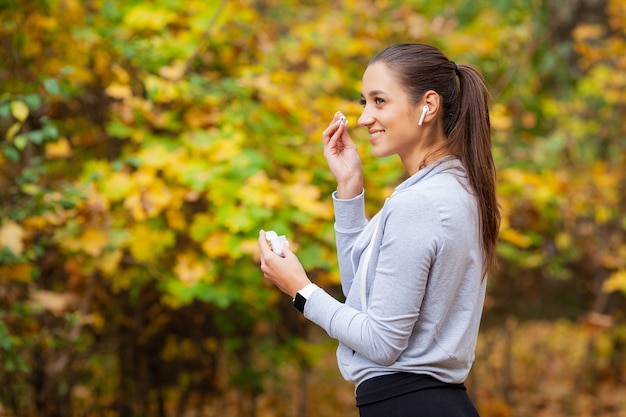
456, 69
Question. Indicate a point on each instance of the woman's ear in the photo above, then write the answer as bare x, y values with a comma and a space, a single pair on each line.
429, 107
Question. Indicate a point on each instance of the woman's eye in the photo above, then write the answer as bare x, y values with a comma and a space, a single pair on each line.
377, 100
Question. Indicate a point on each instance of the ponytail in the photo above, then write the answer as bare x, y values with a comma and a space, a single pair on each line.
470, 140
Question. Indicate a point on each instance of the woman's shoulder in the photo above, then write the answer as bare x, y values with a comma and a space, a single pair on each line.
442, 186
441, 199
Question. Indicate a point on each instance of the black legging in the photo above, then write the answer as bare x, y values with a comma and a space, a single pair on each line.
417, 396
434, 402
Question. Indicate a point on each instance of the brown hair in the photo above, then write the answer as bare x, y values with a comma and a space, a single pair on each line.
465, 117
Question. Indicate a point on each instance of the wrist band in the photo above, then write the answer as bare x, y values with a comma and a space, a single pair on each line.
299, 302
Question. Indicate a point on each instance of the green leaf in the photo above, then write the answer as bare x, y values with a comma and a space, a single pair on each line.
20, 142
52, 86
5, 109
33, 101
201, 227
11, 153
119, 130
50, 131
36, 136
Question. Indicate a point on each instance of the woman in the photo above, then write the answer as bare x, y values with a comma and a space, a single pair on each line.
413, 276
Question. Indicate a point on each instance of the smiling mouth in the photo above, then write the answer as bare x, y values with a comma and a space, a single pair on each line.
376, 134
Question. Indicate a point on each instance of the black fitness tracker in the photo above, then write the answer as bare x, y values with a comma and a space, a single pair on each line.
299, 302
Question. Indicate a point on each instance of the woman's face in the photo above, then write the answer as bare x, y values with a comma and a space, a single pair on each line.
388, 114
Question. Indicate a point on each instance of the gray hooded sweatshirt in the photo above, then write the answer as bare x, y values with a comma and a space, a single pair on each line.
424, 289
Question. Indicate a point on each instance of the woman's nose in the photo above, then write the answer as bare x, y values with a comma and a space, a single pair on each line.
365, 119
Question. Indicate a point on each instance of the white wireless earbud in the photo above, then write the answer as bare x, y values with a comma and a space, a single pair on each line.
424, 111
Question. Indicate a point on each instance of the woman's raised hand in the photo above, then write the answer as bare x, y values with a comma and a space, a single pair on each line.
343, 158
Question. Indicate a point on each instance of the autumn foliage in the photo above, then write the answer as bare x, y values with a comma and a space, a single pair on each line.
144, 144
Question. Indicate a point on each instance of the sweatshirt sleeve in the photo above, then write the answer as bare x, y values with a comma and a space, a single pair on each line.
350, 221
407, 249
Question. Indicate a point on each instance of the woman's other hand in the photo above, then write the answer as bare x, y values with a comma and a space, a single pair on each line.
286, 272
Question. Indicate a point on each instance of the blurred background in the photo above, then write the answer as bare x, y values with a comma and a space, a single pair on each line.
143, 145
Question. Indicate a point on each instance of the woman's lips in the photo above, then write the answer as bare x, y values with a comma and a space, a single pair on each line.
375, 134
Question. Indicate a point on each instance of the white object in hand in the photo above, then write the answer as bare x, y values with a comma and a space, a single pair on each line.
277, 242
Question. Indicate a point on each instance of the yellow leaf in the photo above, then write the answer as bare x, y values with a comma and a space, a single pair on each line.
12, 130
120, 73
588, 32
157, 198
161, 90
36, 222
173, 72
500, 119
58, 149
145, 176
175, 219
19, 110
226, 150
117, 186
93, 241
563, 240
616, 282
251, 247
215, 245
516, 238
306, 198
199, 118
119, 91
95, 320
155, 157
150, 202
50, 301
109, 261
17, 272
260, 190
146, 16
147, 244
70, 243
190, 270
12, 237
133, 204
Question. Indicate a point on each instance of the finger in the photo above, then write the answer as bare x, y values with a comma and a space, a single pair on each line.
287, 249
334, 132
332, 126
329, 132
263, 246
336, 140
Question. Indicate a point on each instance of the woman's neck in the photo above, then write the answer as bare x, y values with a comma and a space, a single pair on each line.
423, 158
